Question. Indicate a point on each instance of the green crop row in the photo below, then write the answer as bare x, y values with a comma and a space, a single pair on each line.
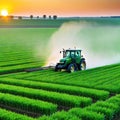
98, 80
88, 92
16, 62
91, 73
14, 58
78, 76
101, 110
110, 108
18, 68
58, 98
8, 115
27, 104
74, 114
60, 116
86, 114
115, 100
20, 61
108, 112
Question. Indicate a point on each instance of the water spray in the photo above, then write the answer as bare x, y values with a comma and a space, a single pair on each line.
99, 44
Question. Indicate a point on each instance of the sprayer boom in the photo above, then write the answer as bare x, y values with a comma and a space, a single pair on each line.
39, 68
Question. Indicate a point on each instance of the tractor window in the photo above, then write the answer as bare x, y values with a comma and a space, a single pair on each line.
67, 53
77, 54
72, 54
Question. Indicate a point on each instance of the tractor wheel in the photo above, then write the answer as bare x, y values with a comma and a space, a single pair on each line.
71, 68
83, 65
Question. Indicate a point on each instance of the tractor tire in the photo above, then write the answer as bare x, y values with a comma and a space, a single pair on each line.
71, 68
83, 65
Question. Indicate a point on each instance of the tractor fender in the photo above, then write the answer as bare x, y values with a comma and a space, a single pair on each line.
83, 59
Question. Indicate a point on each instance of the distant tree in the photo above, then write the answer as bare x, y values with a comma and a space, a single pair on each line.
50, 17
55, 17
10, 17
31, 16
20, 17
37, 17
44, 16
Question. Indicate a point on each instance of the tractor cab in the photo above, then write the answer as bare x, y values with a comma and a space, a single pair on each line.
72, 53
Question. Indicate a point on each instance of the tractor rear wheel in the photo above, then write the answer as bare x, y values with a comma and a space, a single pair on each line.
83, 65
71, 68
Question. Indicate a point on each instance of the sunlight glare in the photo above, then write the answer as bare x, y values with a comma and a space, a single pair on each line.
4, 12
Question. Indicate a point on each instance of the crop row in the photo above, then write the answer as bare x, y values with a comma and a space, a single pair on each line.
49, 75
27, 104
109, 108
18, 68
57, 98
8, 115
101, 110
101, 80
88, 92
78, 75
74, 114
17, 62
20, 62
12, 56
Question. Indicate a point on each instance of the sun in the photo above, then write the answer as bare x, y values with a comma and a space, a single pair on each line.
4, 12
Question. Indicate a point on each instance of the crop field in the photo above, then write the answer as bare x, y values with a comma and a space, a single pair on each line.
45, 95
19, 48
93, 94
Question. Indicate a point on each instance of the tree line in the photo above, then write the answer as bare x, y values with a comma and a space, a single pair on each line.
54, 17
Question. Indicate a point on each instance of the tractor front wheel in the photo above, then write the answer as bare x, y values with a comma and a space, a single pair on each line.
71, 68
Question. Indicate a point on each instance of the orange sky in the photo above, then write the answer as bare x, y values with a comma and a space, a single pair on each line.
62, 7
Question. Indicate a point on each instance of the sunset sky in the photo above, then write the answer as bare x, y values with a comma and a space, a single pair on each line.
62, 7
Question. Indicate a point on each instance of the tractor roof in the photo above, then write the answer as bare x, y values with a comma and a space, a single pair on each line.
73, 50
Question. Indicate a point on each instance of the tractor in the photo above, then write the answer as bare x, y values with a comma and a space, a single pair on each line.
72, 61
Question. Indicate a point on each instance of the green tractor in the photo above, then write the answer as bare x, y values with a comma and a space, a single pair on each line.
72, 61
